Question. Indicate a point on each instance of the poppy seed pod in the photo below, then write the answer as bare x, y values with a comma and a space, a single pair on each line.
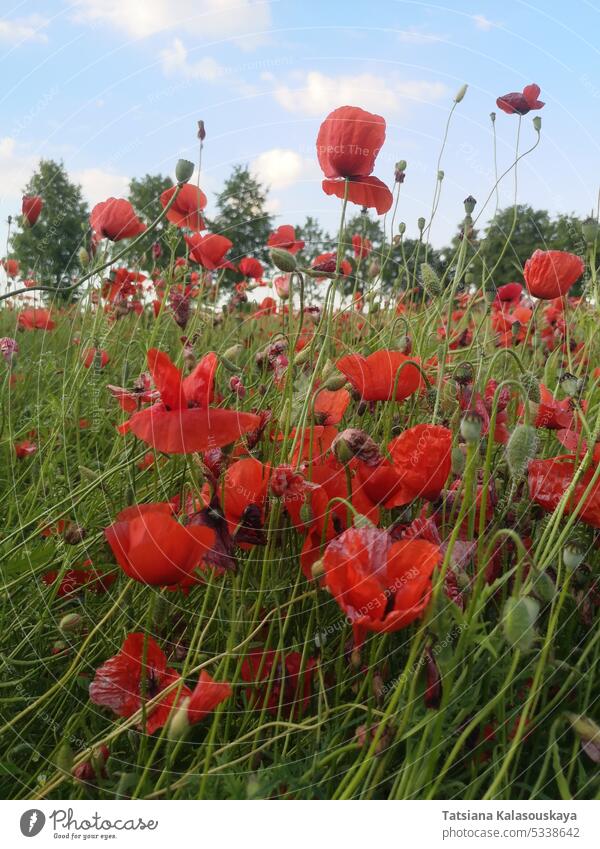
537, 123
521, 448
518, 622
351, 443
590, 229
184, 170
531, 385
570, 384
421, 223
573, 556
470, 204
461, 93
471, 427
402, 228
283, 260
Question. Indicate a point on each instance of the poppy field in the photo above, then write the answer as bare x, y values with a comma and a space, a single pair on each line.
339, 541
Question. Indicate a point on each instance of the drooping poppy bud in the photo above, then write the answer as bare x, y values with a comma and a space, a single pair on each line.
283, 260
521, 448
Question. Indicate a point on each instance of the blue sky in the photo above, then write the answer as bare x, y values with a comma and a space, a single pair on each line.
115, 88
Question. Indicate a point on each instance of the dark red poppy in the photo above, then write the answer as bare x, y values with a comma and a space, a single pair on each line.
348, 143
182, 422
362, 246
31, 208
95, 356
278, 680
138, 673
550, 274
251, 267
521, 102
382, 375
509, 292
186, 210
209, 251
115, 219
327, 263
36, 318
153, 548
380, 585
285, 238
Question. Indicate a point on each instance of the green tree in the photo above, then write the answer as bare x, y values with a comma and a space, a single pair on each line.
316, 240
48, 251
242, 215
145, 194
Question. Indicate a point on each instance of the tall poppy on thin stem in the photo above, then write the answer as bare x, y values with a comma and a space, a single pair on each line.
186, 210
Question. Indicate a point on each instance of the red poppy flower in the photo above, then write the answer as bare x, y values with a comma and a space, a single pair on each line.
206, 696
138, 673
11, 266
381, 376
549, 480
281, 679
182, 422
327, 263
362, 247
348, 142
521, 102
36, 319
187, 207
551, 413
25, 449
31, 208
115, 219
244, 498
89, 357
209, 251
285, 238
509, 292
131, 399
83, 577
250, 267
329, 406
550, 274
153, 548
380, 585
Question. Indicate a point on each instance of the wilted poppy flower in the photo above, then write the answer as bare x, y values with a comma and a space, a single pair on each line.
11, 267
95, 356
327, 263
187, 208
25, 448
138, 673
381, 376
281, 284
115, 219
278, 680
182, 422
285, 238
550, 274
209, 251
520, 102
36, 319
31, 208
153, 548
380, 585
131, 399
251, 267
348, 142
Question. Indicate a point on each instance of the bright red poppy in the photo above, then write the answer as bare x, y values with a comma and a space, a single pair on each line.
348, 143
521, 102
206, 696
209, 251
285, 238
182, 422
244, 498
381, 376
31, 208
95, 356
11, 267
36, 318
138, 673
186, 210
329, 406
550, 274
115, 219
549, 480
380, 585
251, 267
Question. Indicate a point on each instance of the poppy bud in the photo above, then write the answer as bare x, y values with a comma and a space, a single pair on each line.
84, 257
184, 170
70, 622
405, 344
201, 131
335, 382
64, 757
573, 556
421, 223
590, 229
521, 448
402, 228
460, 93
518, 622
537, 123
352, 443
493, 117
233, 353
589, 734
429, 280
283, 260
180, 723
399, 170
470, 427
469, 203
228, 364
543, 587
531, 385
303, 356
317, 570
440, 176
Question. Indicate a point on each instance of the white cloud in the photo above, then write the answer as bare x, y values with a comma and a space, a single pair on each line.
15, 169
29, 28
174, 61
483, 23
279, 168
97, 184
316, 94
208, 18
418, 35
